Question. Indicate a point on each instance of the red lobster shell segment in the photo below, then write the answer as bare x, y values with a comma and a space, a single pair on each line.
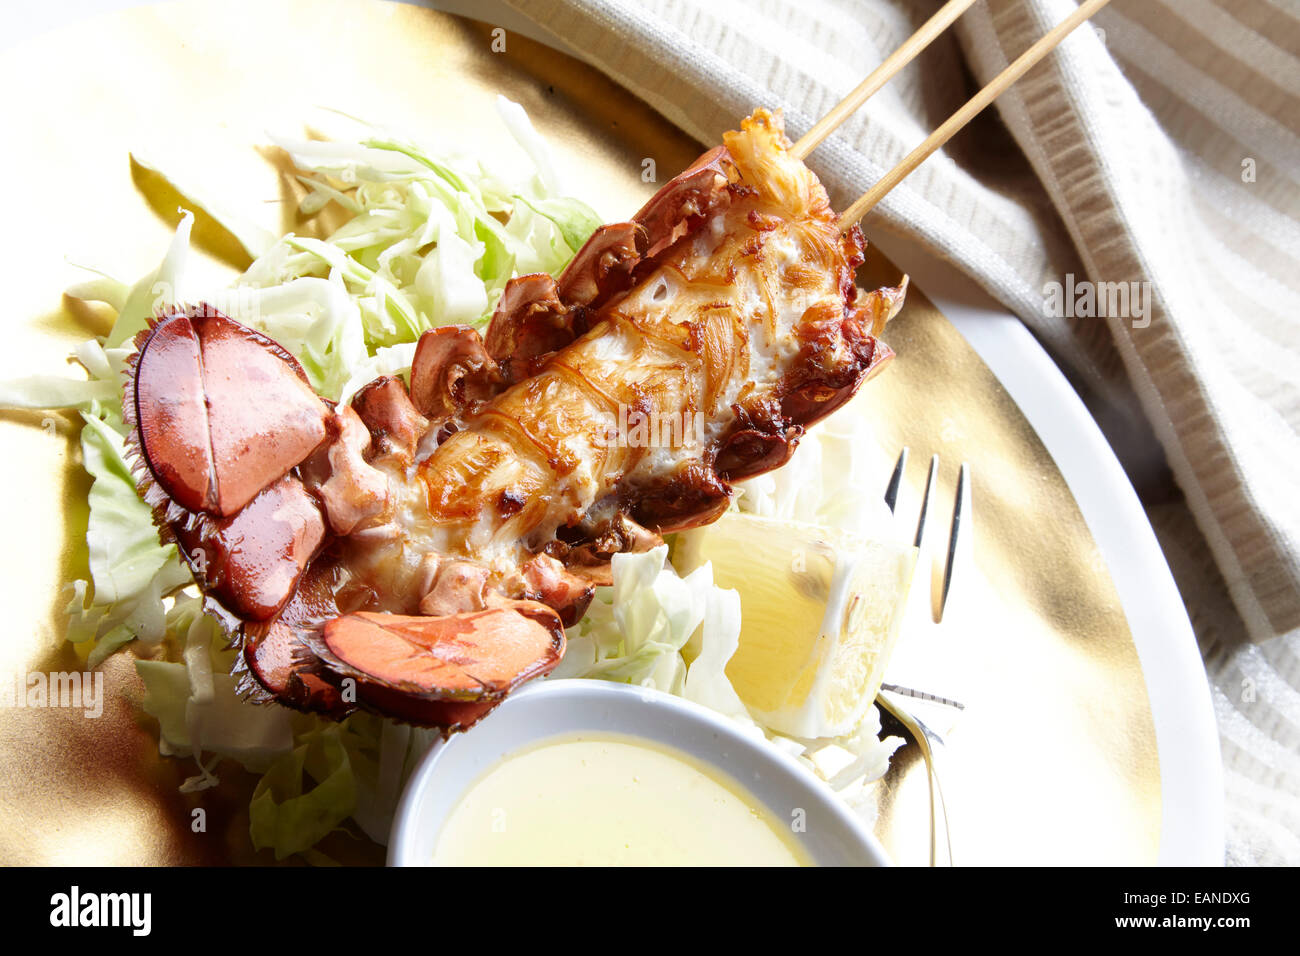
419, 553
457, 657
213, 450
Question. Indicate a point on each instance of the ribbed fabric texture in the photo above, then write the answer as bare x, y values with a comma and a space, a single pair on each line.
1161, 147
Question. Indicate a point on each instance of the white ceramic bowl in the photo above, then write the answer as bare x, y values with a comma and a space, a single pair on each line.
833, 835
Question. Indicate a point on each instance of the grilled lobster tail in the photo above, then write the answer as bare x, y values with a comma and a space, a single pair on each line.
419, 553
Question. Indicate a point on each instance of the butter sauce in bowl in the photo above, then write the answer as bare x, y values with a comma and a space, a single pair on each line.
581, 772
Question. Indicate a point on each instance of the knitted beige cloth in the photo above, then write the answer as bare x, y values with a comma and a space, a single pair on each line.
1159, 149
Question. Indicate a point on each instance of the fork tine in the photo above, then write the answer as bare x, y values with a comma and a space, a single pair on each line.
931, 483
896, 480
959, 543
929, 565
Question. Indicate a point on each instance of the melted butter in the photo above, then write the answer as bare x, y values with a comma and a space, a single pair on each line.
607, 800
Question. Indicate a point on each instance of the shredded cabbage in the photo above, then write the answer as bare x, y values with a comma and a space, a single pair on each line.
833, 480
355, 769
290, 816
125, 553
634, 632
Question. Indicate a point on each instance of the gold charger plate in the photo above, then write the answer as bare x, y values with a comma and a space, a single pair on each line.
1055, 758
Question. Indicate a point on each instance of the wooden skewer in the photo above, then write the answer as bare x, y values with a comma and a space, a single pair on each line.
881, 75
964, 115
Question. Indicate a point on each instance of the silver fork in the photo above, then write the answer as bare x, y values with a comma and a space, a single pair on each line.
928, 604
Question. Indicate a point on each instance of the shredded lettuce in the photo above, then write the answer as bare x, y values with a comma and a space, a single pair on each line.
305, 795
526, 135
834, 480
355, 769
426, 246
217, 722
254, 239
634, 632
45, 391
574, 220
718, 639
161, 287
125, 552
194, 700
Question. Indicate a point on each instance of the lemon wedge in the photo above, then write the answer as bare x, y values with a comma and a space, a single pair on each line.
820, 610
